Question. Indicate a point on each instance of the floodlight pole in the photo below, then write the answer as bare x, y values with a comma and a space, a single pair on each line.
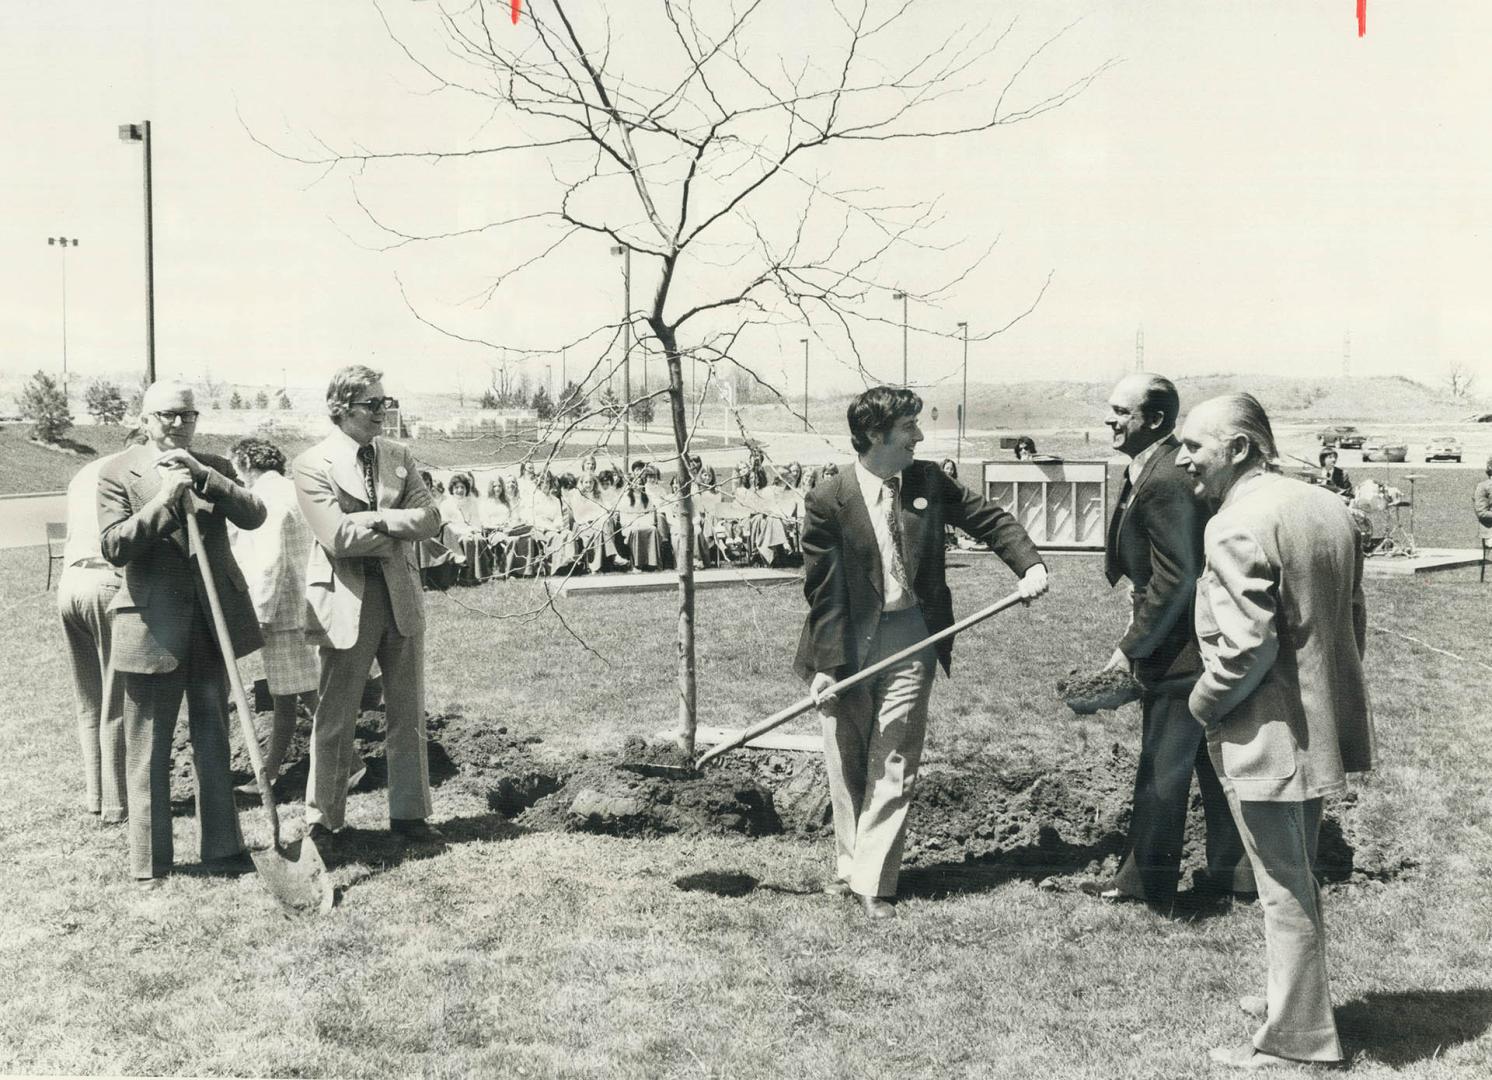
63, 242
626, 254
903, 298
963, 415
805, 382
140, 133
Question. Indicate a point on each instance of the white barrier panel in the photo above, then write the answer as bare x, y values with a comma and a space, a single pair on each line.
1061, 504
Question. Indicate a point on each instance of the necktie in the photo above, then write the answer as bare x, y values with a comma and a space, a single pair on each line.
1112, 569
898, 542
365, 460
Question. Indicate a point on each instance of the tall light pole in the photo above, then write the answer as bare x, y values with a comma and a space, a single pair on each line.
963, 412
903, 298
64, 243
140, 133
805, 382
626, 254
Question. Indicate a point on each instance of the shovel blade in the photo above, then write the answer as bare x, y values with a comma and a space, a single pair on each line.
296, 877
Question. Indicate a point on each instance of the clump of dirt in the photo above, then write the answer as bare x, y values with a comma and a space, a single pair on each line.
1108, 689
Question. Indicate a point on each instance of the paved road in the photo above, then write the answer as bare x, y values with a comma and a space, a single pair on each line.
23, 521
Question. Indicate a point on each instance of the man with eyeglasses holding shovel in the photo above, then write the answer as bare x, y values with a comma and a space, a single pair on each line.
367, 507
164, 644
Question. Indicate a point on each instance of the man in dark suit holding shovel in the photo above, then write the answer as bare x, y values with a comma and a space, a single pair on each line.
873, 576
163, 639
1155, 541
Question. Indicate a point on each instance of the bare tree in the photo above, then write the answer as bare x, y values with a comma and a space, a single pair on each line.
1459, 379
703, 139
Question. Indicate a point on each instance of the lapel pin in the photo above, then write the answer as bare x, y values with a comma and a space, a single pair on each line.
919, 503
401, 472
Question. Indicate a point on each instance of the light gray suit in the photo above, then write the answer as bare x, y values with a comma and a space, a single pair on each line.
1281, 624
363, 601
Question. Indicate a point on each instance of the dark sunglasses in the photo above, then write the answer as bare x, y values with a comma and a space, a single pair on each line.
377, 404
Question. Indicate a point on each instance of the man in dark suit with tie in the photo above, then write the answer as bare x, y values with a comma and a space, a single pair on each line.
873, 576
163, 639
1155, 540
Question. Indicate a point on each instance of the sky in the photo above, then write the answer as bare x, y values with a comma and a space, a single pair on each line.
1252, 185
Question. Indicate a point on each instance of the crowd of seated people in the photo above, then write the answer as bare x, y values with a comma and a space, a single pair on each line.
530, 522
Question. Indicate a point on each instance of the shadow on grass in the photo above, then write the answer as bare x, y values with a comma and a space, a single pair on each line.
369, 852
1401, 1027
1050, 856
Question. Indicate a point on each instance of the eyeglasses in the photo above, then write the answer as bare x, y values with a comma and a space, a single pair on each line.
171, 416
378, 404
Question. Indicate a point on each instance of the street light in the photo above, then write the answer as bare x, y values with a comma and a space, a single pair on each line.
140, 133
903, 298
963, 410
626, 254
64, 243
805, 382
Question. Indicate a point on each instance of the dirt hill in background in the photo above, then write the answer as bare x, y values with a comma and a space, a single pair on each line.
1047, 405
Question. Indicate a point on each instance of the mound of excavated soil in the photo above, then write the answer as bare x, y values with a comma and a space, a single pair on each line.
1032, 818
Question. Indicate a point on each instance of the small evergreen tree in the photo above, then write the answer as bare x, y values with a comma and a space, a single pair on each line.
542, 404
642, 411
104, 402
235, 400
489, 400
261, 400
572, 402
45, 405
609, 403
282, 400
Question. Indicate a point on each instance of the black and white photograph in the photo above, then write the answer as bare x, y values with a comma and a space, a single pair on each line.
745, 538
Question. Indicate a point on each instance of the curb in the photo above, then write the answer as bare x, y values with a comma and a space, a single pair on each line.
33, 495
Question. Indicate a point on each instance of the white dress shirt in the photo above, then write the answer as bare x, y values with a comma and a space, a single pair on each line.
896, 596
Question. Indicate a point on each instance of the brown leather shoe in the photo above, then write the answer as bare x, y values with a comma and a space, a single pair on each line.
876, 909
416, 831
838, 887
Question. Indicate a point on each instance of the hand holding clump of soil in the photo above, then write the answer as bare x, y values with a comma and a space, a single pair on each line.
1106, 689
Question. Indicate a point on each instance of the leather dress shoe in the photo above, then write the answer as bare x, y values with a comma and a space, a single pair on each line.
416, 831
322, 837
1255, 1006
234, 865
837, 888
876, 909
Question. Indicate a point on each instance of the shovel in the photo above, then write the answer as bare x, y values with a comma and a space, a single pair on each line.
798, 708
299, 881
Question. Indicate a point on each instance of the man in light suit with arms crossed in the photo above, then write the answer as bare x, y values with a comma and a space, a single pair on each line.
873, 576
1282, 625
367, 507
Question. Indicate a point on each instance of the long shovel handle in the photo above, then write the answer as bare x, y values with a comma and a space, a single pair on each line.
798, 708
225, 645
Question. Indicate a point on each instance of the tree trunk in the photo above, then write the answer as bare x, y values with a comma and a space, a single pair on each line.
683, 545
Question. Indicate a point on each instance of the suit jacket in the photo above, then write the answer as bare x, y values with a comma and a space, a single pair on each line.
273, 557
329, 486
842, 575
1481, 505
152, 614
1282, 627
1156, 542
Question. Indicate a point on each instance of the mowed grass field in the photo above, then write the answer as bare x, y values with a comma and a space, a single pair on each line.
514, 953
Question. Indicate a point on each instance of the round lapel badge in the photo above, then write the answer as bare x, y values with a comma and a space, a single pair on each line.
919, 503
401, 472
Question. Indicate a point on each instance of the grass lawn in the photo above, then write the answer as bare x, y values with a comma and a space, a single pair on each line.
522, 953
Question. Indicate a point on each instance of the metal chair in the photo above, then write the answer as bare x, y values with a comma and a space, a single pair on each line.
1486, 547
56, 539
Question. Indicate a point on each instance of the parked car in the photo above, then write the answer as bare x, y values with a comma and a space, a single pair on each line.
1384, 448
1443, 448
1342, 435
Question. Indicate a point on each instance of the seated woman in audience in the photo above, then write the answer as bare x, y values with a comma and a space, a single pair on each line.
553, 528
461, 529
637, 524
437, 563
674, 513
595, 529
768, 525
523, 547
811, 479
496, 516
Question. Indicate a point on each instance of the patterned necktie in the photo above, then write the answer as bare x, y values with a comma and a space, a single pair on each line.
365, 459
898, 542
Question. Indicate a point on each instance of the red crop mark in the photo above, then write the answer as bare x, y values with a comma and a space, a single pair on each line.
518, 6
1362, 16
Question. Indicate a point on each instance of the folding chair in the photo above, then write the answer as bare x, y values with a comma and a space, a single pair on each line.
1486, 547
56, 539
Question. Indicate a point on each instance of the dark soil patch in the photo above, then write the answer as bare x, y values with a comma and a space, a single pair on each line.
973, 823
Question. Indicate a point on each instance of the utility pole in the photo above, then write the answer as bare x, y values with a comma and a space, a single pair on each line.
903, 298
64, 243
140, 133
963, 410
626, 254
805, 382
1140, 349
